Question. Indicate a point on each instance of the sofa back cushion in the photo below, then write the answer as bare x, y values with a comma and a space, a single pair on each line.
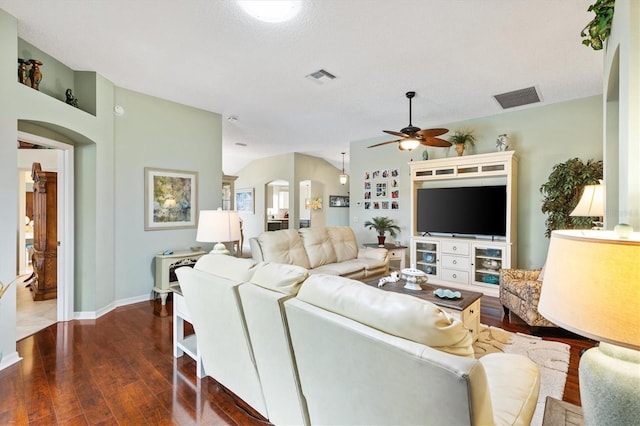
229, 267
285, 279
284, 246
344, 242
318, 245
400, 315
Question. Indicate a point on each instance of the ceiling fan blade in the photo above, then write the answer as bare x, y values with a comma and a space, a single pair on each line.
399, 134
430, 133
441, 143
382, 143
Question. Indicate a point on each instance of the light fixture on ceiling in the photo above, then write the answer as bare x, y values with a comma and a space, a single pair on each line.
271, 11
343, 175
409, 144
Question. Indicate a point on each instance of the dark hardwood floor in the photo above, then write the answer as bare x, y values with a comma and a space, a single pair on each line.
119, 369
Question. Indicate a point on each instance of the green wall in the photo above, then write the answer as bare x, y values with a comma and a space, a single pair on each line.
541, 136
114, 256
159, 134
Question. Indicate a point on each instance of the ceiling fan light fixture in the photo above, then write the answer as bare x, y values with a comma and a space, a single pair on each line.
409, 144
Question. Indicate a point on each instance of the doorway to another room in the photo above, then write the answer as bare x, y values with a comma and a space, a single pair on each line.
36, 310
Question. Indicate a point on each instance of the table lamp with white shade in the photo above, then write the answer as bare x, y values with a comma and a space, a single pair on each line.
591, 204
591, 287
218, 226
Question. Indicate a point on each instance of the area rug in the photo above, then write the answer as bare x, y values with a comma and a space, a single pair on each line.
551, 357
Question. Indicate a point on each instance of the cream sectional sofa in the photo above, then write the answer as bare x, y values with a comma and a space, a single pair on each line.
322, 349
322, 250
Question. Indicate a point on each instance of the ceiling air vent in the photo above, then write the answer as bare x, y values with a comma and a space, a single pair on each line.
321, 76
518, 98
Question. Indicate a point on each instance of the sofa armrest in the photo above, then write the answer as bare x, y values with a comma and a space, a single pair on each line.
373, 253
510, 275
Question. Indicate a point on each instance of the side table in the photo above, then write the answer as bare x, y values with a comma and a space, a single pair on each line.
184, 344
561, 413
395, 252
166, 264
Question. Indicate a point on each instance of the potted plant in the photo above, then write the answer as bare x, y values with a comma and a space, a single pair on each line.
382, 225
562, 192
599, 28
461, 138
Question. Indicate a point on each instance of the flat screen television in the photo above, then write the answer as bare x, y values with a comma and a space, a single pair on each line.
472, 210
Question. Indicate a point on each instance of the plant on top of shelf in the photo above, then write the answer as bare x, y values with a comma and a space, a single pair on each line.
382, 225
461, 138
563, 190
599, 28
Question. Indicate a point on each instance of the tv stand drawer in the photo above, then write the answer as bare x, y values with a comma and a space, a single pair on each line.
455, 247
455, 262
461, 277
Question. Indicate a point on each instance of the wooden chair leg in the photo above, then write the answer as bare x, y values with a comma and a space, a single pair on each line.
506, 312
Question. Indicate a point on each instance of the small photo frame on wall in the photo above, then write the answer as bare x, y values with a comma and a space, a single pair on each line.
170, 199
338, 201
381, 190
367, 205
395, 172
244, 200
395, 205
384, 205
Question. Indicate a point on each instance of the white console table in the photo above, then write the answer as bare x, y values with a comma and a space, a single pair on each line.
165, 267
184, 344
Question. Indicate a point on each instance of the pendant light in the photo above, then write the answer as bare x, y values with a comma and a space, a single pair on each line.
343, 176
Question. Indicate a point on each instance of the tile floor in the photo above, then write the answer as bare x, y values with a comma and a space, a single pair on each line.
32, 316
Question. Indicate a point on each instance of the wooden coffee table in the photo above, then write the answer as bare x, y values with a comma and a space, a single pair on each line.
466, 308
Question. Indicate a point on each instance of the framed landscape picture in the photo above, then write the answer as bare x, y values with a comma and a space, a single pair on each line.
170, 199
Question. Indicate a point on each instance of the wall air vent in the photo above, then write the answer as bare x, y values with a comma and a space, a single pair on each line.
321, 76
518, 98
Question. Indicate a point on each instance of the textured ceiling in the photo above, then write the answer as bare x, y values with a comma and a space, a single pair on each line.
456, 54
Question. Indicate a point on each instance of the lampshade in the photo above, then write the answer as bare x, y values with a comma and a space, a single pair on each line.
218, 226
592, 285
409, 144
591, 203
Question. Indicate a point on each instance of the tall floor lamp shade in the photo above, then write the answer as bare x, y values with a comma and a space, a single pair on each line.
592, 287
218, 226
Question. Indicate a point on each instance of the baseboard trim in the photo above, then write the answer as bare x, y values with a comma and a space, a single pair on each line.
10, 359
92, 315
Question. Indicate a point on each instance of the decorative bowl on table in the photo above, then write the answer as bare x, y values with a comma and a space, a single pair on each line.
413, 278
445, 293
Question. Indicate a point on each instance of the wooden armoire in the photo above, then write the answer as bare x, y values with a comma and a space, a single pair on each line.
45, 234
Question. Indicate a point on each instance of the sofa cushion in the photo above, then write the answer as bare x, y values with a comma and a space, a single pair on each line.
285, 279
514, 382
343, 268
344, 242
397, 314
284, 246
318, 245
229, 267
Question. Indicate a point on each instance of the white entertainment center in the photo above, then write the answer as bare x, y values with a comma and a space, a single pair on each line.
466, 262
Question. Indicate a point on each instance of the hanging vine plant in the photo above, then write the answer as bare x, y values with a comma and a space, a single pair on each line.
563, 190
597, 31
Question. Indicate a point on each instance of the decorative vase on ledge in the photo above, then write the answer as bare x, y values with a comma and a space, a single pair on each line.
381, 239
460, 149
